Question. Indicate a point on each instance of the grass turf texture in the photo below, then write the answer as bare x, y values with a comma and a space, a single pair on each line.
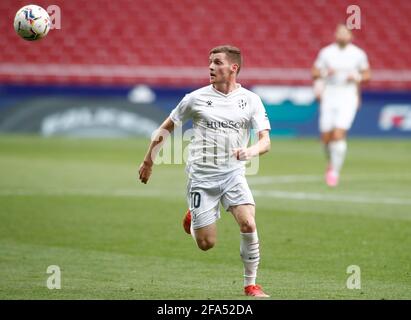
77, 204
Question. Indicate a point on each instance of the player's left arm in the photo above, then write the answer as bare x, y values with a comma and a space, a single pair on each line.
360, 77
262, 146
364, 72
366, 75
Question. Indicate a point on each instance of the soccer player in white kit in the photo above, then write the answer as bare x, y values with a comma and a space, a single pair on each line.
338, 71
223, 114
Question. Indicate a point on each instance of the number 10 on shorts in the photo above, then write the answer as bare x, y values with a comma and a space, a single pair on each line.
195, 199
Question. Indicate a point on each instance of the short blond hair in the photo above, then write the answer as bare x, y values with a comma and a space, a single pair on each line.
233, 54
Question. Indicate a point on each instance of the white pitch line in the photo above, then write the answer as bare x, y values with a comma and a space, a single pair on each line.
323, 197
259, 193
88, 192
285, 179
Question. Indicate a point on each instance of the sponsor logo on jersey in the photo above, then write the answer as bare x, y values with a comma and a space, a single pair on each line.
226, 124
242, 103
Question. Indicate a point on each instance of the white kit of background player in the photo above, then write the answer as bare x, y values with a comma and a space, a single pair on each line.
338, 71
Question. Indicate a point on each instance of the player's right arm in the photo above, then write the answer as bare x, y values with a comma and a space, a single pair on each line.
318, 73
146, 167
177, 117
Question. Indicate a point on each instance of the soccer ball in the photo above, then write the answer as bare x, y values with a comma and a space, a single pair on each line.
32, 22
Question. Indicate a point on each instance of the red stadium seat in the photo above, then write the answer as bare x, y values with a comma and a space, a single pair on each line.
177, 34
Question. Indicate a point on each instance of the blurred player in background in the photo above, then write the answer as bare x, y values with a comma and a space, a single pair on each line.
338, 71
223, 114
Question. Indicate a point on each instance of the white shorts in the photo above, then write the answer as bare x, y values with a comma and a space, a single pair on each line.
337, 111
203, 198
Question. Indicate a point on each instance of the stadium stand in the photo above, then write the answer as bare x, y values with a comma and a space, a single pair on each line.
167, 41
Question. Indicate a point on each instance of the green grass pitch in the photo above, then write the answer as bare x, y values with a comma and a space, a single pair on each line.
77, 204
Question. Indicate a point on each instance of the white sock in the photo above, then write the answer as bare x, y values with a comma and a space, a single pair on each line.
250, 254
338, 150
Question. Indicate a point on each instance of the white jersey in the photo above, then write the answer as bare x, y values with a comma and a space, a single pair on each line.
345, 61
221, 123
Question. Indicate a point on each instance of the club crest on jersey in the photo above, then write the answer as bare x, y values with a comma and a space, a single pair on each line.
242, 103
209, 103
